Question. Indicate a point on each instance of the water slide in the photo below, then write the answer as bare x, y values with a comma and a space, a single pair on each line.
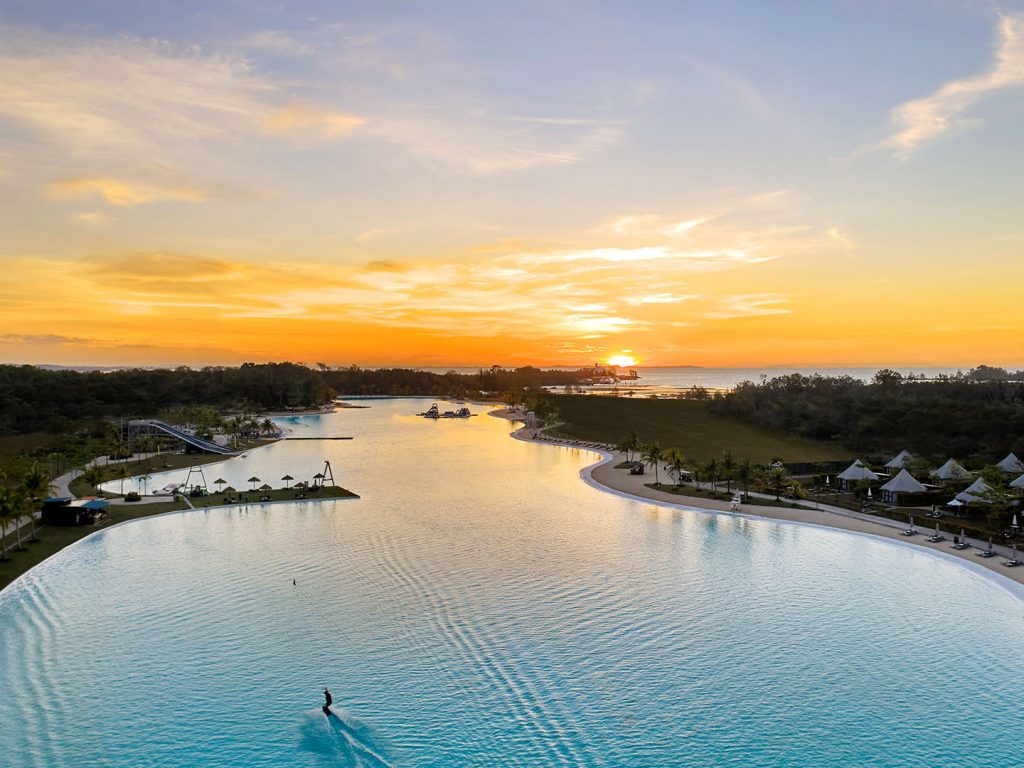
198, 442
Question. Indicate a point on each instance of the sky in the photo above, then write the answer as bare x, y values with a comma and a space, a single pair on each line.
445, 184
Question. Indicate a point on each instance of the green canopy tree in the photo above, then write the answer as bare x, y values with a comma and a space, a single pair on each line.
775, 480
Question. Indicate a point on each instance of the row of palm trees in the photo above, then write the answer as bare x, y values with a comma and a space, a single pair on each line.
727, 469
19, 500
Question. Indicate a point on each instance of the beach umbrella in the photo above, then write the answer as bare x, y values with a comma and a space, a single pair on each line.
911, 522
287, 479
265, 487
220, 481
316, 477
230, 489
301, 484
989, 543
254, 480
963, 536
869, 493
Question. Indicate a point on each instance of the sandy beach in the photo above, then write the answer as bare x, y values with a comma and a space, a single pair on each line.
603, 475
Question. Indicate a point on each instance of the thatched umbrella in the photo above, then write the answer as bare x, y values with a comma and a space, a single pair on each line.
254, 480
265, 487
301, 484
286, 480
220, 481
318, 478
230, 489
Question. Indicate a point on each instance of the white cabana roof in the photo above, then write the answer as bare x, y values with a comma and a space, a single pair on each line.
973, 492
899, 461
951, 470
1011, 465
1018, 483
857, 471
904, 482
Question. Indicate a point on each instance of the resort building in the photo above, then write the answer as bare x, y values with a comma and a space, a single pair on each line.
951, 473
974, 493
904, 482
1011, 465
853, 474
899, 461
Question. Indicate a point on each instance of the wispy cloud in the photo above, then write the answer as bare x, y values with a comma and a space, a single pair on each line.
124, 192
924, 120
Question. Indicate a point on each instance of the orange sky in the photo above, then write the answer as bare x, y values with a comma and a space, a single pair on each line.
391, 192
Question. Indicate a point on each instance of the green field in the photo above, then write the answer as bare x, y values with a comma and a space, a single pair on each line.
684, 424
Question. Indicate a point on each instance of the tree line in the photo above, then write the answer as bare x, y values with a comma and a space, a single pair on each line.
973, 416
38, 399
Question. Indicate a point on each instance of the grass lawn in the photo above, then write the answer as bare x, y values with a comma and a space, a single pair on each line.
707, 493
52, 539
685, 424
278, 494
159, 463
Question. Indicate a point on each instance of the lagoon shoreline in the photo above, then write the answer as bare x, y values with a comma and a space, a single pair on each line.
605, 477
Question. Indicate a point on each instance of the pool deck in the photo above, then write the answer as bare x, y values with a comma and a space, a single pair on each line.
604, 475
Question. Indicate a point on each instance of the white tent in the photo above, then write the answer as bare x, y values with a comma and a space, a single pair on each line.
1011, 465
1018, 483
974, 493
857, 471
951, 470
899, 461
904, 482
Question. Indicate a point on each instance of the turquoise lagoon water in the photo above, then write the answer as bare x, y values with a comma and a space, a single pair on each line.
481, 605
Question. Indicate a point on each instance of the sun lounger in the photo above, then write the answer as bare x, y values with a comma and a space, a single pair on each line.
908, 532
1011, 563
961, 545
986, 553
936, 539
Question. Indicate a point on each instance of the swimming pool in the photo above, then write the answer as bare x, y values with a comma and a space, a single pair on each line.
481, 605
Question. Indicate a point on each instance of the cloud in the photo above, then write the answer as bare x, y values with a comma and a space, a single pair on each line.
44, 338
923, 120
748, 305
124, 192
306, 120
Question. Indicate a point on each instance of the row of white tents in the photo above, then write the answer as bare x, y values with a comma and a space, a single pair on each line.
950, 472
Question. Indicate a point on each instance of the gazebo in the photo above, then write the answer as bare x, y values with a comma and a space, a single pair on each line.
854, 473
975, 493
951, 472
1011, 465
904, 482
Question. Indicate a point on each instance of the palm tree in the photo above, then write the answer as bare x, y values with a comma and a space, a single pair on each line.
7, 516
711, 473
652, 456
634, 443
675, 462
123, 474
267, 426
35, 482
93, 476
744, 475
18, 503
728, 470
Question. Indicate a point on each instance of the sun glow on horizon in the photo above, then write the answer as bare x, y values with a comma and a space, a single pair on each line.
621, 361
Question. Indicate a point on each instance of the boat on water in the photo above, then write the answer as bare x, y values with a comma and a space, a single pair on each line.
433, 412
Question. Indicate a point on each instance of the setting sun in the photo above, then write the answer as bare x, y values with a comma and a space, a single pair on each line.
621, 361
